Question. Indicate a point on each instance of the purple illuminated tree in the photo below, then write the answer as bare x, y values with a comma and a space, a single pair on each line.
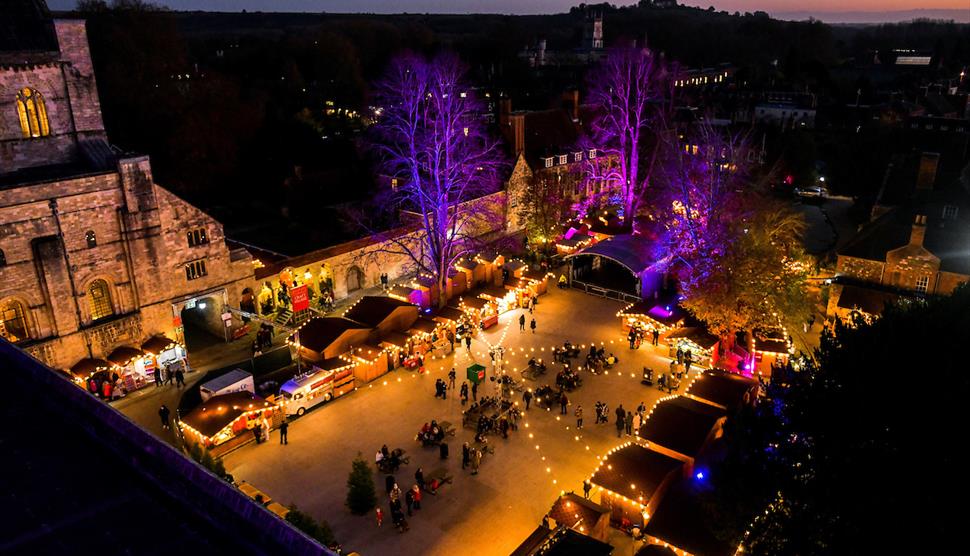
629, 90
433, 143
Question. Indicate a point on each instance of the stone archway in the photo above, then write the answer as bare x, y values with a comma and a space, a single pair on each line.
355, 279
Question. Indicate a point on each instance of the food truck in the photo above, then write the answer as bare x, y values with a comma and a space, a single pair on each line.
315, 387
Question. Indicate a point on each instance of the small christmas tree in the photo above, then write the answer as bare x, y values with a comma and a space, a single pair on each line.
361, 496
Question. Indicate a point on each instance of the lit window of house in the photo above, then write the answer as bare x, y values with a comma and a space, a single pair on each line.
592, 153
32, 113
562, 159
922, 284
197, 237
577, 157
548, 162
13, 321
950, 212
195, 270
394, 183
91, 239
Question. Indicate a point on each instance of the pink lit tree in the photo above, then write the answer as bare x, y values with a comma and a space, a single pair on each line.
630, 91
432, 141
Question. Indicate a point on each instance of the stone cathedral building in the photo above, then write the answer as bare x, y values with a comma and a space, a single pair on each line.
94, 255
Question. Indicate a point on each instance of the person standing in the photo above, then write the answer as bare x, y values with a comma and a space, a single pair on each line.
563, 402
284, 428
169, 375
527, 398
532, 325
637, 421
465, 455
179, 378
632, 336
641, 409
451, 378
158, 377
417, 496
587, 486
620, 420
409, 501
629, 423
468, 342
522, 322
464, 393
579, 416
474, 391
380, 517
164, 414
258, 433
656, 336
419, 477
476, 460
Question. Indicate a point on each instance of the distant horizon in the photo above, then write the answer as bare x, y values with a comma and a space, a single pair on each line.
829, 11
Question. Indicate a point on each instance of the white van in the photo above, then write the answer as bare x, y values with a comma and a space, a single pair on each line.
318, 386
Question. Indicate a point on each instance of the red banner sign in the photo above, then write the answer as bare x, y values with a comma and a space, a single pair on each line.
300, 297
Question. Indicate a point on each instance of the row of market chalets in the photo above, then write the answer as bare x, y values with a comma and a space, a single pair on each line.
128, 368
479, 288
651, 487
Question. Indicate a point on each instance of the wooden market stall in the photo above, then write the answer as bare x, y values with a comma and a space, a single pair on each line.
631, 479
723, 389
132, 366
573, 511
482, 312
504, 298
561, 541
322, 338
771, 347
682, 428
226, 417
167, 353
651, 314
680, 522
385, 314
702, 345
369, 361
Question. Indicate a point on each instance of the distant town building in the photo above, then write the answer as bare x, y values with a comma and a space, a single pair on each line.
787, 110
94, 255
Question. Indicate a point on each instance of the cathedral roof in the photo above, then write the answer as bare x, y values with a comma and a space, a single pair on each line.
26, 26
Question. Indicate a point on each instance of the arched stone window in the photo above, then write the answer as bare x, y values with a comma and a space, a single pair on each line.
33, 113
13, 321
100, 300
91, 238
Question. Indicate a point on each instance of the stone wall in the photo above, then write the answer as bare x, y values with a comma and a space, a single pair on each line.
859, 269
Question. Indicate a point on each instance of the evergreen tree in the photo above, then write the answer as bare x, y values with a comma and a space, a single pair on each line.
304, 522
361, 496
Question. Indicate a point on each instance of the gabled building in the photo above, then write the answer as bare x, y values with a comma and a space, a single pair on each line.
94, 255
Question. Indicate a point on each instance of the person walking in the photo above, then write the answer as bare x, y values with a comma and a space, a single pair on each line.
656, 336
532, 325
563, 402
158, 377
629, 423
527, 398
632, 336
179, 378
476, 460
419, 477
522, 322
164, 414
417, 496
641, 409
409, 501
465, 455
468, 342
258, 433
451, 378
637, 421
579, 416
532, 303
169, 375
475, 391
284, 427
620, 420
464, 393
380, 517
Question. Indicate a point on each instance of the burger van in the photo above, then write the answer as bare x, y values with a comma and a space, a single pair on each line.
315, 387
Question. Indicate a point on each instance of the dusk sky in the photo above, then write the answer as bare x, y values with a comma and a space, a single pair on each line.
959, 8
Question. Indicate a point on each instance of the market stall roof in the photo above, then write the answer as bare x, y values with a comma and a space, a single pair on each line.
123, 355
771, 345
401, 292
514, 265
224, 380
495, 292
423, 325
561, 542
721, 388
318, 333
664, 313
695, 334
535, 274
88, 366
453, 314
681, 424
468, 264
157, 344
332, 364
680, 520
631, 251
474, 302
867, 300
571, 510
634, 471
372, 309
214, 415
395, 339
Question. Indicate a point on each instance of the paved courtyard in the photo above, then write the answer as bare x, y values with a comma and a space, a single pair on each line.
489, 513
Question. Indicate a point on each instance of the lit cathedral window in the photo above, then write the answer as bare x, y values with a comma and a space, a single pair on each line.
32, 113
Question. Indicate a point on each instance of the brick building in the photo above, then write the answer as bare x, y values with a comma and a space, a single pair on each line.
94, 254
918, 244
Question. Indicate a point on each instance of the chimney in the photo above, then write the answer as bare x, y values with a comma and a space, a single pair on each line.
926, 178
919, 231
570, 103
517, 133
